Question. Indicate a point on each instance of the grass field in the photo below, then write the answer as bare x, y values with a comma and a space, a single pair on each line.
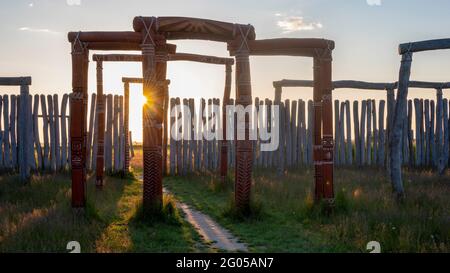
287, 221
38, 218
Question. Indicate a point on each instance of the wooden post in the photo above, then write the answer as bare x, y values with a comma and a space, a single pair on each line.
1, 134
287, 106
357, 133
162, 97
100, 159
381, 135
57, 132
409, 137
116, 134
192, 142
362, 134
399, 117
418, 156
121, 138
390, 100
172, 145
341, 139
427, 134
45, 132
445, 146
93, 166
51, 118
349, 145
224, 143
13, 131
432, 133
303, 137
152, 119
6, 135
78, 122
90, 132
186, 130
293, 134
310, 132
109, 131
37, 141
126, 114
369, 133
166, 123
336, 132
282, 146
439, 129
30, 135
375, 133
179, 141
244, 149
63, 131
24, 133
325, 84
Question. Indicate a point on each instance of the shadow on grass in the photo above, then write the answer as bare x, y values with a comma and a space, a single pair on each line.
38, 217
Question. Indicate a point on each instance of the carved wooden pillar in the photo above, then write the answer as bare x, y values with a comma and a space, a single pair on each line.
152, 122
100, 126
161, 59
244, 148
78, 111
224, 143
399, 117
126, 93
317, 140
327, 127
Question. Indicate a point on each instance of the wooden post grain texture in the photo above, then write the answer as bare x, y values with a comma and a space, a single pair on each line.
399, 118
51, 119
357, 133
64, 154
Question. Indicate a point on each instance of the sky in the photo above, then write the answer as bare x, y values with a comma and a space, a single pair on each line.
366, 32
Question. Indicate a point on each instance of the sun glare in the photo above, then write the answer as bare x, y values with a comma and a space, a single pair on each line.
138, 101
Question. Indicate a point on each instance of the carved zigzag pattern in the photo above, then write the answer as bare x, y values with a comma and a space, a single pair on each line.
152, 176
243, 179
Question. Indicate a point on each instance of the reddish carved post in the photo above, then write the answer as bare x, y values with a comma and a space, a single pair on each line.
78, 111
224, 142
152, 121
327, 116
126, 90
100, 126
317, 144
244, 148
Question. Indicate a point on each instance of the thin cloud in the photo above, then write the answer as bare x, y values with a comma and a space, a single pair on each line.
38, 30
296, 23
374, 2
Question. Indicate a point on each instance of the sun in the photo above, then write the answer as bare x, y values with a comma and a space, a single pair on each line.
138, 101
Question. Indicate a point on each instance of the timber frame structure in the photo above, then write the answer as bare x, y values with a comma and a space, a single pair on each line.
321, 52
380, 86
149, 36
407, 50
25, 127
172, 56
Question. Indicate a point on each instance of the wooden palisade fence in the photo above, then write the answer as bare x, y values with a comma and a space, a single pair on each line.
47, 141
361, 132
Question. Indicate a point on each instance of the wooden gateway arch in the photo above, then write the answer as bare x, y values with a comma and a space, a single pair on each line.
172, 56
150, 36
407, 50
